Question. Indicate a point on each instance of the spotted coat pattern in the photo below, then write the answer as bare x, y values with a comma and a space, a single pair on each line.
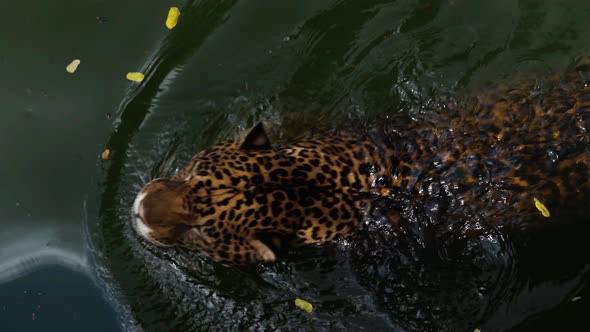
240, 202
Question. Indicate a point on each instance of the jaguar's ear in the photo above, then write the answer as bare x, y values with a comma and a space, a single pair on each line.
256, 139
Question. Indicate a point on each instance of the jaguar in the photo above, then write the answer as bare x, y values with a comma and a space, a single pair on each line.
514, 153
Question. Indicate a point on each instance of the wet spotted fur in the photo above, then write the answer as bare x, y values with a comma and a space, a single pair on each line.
238, 202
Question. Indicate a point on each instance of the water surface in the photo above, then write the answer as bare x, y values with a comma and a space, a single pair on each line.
227, 65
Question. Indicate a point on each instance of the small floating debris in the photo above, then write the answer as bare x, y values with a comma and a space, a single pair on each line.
71, 68
477, 330
172, 18
577, 298
106, 154
135, 76
541, 207
304, 305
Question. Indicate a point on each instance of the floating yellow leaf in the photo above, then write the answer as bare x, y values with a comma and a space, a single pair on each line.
135, 76
541, 207
172, 18
302, 304
106, 154
71, 68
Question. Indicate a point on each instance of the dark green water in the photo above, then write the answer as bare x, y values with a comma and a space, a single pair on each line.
227, 65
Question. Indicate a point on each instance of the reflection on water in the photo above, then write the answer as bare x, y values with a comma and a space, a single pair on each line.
51, 125
34, 251
225, 68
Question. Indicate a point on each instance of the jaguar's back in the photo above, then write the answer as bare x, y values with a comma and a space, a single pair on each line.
238, 202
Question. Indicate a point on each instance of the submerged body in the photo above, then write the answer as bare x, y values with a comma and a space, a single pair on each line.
485, 159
